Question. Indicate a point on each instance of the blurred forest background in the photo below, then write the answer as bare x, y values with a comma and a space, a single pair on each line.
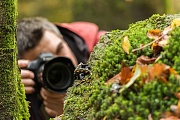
107, 14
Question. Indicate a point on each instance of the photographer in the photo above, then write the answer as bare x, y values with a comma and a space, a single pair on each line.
37, 35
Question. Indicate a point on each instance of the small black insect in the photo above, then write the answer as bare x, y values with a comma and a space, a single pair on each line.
81, 71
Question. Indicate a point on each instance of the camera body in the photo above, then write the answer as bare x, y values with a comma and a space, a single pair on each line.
53, 73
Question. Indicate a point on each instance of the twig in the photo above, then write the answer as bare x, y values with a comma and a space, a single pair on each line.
134, 50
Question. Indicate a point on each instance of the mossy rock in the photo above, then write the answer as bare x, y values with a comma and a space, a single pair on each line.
92, 99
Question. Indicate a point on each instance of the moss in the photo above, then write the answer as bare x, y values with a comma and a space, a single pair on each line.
93, 99
172, 55
12, 95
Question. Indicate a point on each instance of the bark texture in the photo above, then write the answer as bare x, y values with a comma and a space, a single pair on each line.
13, 105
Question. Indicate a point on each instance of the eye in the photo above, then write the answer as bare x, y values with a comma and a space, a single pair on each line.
59, 47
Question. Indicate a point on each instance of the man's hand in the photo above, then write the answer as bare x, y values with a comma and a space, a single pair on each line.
26, 77
53, 102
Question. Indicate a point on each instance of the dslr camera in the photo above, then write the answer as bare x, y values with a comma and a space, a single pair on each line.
53, 73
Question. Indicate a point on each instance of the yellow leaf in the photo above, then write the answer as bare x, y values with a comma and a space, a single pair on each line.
105, 118
126, 44
178, 104
175, 23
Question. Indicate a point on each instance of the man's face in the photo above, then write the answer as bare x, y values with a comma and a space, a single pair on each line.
50, 42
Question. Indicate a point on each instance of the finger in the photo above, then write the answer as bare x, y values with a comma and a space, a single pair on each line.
27, 74
52, 100
52, 112
28, 82
56, 106
29, 90
23, 63
51, 94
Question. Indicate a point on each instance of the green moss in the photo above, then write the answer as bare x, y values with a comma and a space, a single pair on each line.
13, 105
12, 95
172, 55
93, 99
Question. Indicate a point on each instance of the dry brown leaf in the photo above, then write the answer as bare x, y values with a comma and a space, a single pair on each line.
170, 118
160, 71
144, 60
156, 49
154, 34
115, 79
125, 75
178, 96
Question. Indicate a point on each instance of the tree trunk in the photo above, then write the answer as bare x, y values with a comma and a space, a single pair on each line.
13, 105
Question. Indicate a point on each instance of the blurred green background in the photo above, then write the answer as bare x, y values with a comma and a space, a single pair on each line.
107, 14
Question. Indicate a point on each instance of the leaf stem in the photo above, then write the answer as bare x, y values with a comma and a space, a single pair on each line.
134, 50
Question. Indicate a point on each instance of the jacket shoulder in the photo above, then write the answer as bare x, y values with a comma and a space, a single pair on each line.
86, 30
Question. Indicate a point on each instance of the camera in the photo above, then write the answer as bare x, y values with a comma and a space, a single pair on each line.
53, 73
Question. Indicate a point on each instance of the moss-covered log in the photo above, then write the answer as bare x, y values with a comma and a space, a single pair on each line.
13, 105
94, 99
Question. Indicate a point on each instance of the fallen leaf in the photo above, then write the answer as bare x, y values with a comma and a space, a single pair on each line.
175, 23
105, 118
125, 75
144, 60
154, 34
170, 118
150, 117
136, 75
126, 44
160, 71
156, 48
163, 43
179, 104
115, 79
167, 30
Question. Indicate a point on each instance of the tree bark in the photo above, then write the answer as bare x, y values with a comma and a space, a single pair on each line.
13, 105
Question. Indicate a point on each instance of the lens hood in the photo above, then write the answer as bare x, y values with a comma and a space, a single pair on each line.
58, 74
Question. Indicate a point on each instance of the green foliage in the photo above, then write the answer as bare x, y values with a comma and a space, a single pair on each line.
171, 56
116, 14
55, 11
93, 99
107, 14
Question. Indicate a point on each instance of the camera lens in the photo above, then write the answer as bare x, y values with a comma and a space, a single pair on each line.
58, 74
